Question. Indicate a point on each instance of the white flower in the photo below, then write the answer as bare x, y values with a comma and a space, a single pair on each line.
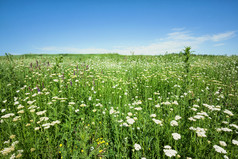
234, 125
41, 112
157, 105
14, 143
170, 152
125, 124
222, 143
153, 115
55, 122
3, 110
157, 122
226, 129
130, 121
176, 136
7, 115
44, 118
167, 147
83, 105
20, 106
55, 80
191, 119
7, 150
228, 112
137, 147
129, 114
219, 149
226, 157
15, 103
235, 142
30, 102
112, 110
177, 117
200, 132
175, 103
13, 156
199, 117
77, 110
166, 103
20, 112
174, 123
71, 103
138, 108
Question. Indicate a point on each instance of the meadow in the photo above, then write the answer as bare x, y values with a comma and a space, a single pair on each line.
115, 106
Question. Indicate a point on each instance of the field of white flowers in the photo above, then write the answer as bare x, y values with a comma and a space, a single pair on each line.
114, 106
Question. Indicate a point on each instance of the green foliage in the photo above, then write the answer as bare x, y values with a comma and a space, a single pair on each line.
101, 106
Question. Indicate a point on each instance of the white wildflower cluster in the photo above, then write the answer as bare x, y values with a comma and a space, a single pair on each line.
219, 149
235, 142
175, 102
223, 129
57, 98
153, 115
137, 147
41, 112
176, 136
212, 107
169, 152
199, 115
137, 102
234, 125
177, 117
222, 143
157, 105
138, 108
31, 102
71, 103
174, 123
7, 150
201, 132
16, 118
166, 103
159, 122
7, 116
130, 121
228, 112
98, 105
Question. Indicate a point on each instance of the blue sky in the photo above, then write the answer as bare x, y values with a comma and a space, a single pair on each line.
122, 26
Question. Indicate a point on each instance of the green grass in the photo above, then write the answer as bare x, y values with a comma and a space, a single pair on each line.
96, 97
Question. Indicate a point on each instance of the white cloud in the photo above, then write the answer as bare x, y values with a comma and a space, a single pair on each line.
219, 44
223, 36
173, 42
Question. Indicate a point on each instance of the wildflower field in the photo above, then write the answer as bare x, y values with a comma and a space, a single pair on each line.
115, 106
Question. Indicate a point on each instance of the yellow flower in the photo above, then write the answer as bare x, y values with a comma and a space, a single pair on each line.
19, 155
59, 151
82, 150
12, 136
61, 145
100, 151
107, 143
33, 149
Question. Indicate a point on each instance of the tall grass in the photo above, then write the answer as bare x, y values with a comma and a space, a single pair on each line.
114, 106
